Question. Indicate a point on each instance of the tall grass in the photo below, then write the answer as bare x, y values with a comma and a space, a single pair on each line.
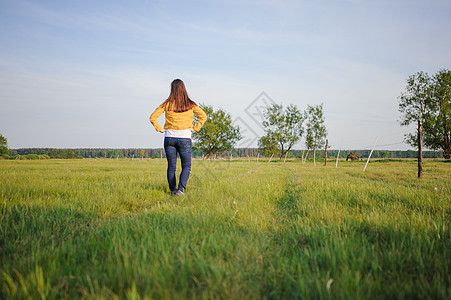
109, 229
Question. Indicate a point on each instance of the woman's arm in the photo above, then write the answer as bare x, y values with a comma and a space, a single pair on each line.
202, 117
154, 116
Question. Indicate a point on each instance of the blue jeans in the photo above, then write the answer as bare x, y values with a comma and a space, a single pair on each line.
182, 146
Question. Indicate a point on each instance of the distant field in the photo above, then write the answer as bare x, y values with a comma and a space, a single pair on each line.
245, 229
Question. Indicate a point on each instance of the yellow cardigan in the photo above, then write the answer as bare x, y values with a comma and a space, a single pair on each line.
178, 120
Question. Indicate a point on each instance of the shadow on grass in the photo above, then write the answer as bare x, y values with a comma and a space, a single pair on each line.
205, 255
365, 260
24, 227
287, 205
159, 255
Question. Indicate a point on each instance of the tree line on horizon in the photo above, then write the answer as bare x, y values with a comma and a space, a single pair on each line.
149, 153
138, 153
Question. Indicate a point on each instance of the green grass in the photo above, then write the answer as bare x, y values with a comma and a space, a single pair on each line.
109, 229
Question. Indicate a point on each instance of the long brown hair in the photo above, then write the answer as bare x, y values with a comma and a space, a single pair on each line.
178, 100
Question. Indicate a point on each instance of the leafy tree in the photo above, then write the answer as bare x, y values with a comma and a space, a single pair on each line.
428, 99
438, 135
218, 134
283, 129
54, 154
3, 145
268, 145
414, 102
316, 129
69, 153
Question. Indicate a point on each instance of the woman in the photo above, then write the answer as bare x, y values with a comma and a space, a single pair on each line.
179, 109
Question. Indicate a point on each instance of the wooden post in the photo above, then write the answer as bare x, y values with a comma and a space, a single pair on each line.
420, 151
325, 153
305, 156
336, 162
370, 154
271, 157
314, 157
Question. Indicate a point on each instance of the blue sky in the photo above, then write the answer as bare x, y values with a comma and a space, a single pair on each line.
89, 73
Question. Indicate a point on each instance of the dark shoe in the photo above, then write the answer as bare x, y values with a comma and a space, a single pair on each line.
179, 193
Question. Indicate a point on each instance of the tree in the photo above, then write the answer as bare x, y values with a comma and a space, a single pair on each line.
283, 129
427, 99
54, 154
316, 129
3, 145
268, 145
218, 134
69, 153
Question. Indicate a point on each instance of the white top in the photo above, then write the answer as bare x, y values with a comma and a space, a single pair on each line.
184, 134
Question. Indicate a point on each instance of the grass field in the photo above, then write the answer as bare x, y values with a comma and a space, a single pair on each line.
245, 229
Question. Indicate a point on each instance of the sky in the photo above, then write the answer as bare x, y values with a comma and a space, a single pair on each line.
88, 74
